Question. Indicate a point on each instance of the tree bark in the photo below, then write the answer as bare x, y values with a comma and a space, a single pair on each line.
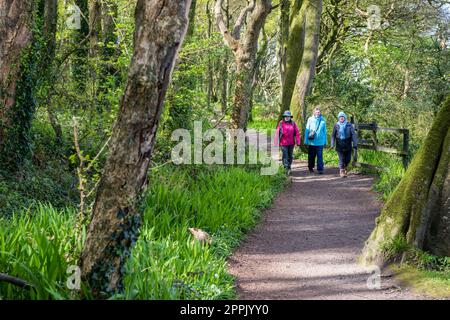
21, 55
15, 37
308, 64
294, 52
50, 26
418, 211
160, 30
283, 38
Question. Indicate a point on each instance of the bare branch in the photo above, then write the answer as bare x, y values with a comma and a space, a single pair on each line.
240, 20
229, 40
15, 281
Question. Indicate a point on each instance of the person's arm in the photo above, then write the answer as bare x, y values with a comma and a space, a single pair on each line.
276, 141
333, 139
306, 131
325, 131
297, 134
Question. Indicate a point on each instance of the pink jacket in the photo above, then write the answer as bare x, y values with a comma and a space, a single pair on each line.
287, 134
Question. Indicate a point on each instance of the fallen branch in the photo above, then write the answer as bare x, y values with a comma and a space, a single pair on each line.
14, 281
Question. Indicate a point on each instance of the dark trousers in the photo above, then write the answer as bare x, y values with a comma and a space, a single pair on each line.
344, 158
288, 152
313, 152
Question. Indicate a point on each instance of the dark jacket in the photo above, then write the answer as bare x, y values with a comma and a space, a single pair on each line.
346, 144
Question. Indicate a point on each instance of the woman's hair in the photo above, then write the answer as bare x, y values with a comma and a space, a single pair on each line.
316, 108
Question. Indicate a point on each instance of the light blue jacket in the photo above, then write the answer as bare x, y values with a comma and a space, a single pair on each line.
321, 131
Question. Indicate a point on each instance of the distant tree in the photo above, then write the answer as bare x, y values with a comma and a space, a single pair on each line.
245, 50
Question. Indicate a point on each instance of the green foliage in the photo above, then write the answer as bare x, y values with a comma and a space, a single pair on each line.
47, 178
427, 261
225, 202
394, 247
38, 245
167, 263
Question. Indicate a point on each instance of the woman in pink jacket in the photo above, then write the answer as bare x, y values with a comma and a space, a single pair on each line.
288, 137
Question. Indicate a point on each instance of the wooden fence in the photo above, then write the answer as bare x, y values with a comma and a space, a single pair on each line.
372, 143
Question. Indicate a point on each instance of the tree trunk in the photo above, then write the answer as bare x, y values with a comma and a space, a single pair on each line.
245, 63
109, 13
50, 26
81, 54
21, 52
283, 38
262, 52
224, 90
294, 52
49, 32
15, 37
192, 12
306, 73
110, 50
417, 211
210, 82
160, 30
95, 26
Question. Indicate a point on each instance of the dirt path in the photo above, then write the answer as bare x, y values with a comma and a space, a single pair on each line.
307, 244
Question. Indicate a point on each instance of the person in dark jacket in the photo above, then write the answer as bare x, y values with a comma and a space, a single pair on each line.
288, 137
345, 139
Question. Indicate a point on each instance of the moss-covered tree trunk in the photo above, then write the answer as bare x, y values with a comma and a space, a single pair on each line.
283, 37
418, 209
294, 52
21, 50
305, 74
160, 30
192, 13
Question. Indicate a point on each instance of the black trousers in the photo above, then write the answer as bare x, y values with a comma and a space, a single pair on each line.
288, 152
344, 158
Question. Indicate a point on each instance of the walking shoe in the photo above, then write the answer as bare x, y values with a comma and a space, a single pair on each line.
320, 172
345, 173
311, 170
341, 173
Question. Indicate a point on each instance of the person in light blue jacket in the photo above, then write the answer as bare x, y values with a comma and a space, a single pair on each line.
316, 139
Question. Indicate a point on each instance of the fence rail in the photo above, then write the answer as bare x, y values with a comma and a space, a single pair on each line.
372, 143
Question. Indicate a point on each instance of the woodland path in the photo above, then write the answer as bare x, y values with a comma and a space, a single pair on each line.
307, 244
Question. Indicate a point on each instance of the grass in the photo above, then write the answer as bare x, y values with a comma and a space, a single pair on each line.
432, 283
263, 124
166, 263
38, 246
